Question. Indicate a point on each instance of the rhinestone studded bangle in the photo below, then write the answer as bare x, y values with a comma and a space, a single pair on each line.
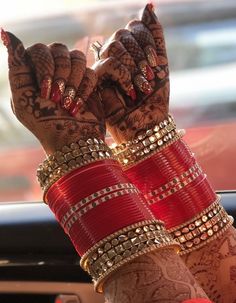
146, 143
148, 137
205, 227
130, 159
75, 155
124, 246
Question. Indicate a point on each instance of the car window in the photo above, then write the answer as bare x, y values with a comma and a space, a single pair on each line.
201, 44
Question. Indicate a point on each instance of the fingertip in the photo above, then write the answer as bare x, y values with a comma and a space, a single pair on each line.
4, 37
149, 13
132, 93
77, 104
150, 6
12, 40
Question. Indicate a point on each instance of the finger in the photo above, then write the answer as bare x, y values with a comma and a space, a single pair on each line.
136, 52
15, 48
85, 89
43, 65
61, 56
87, 84
145, 39
150, 20
116, 71
116, 50
78, 67
20, 73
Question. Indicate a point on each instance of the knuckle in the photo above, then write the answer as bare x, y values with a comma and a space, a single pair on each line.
121, 32
133, 23
57, 45
37, 47
77, 54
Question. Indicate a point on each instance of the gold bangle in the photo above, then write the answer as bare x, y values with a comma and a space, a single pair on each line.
128, 163
209, 225
147, 143
70, 157
148, 137
124, 246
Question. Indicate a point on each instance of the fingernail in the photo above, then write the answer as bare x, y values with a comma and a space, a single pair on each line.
146, 71
58, 88
68, 98
151, 56
5, 38
77, 105
46, 86
143, 84
132, 93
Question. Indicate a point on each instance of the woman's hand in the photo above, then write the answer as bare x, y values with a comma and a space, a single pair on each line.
140, 49
53, 93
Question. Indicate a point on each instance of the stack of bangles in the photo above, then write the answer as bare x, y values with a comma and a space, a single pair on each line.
160, 164
142, 196
104, 214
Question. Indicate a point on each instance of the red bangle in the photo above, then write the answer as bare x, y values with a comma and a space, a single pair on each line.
197, 301
95, 201
173, 184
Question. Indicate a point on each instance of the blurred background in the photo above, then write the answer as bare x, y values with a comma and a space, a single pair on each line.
201, 45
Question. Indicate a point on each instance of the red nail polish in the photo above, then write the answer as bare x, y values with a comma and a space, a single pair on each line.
67, 102
149, 73
151, 56
132, 93
5, 38
75, 108
58, 88
146, 70
46, 85
146, 88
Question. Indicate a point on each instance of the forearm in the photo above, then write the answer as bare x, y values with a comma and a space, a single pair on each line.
178, 192
157, 277
214, 267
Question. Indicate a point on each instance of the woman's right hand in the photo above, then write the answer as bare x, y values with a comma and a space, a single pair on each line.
53, 93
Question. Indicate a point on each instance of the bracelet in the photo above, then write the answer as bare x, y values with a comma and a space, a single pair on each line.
90, 211
203, 228
158, 131
146, 144
76, 155
124, 246
172, 182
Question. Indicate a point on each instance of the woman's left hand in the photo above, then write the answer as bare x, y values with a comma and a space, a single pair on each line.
140, 48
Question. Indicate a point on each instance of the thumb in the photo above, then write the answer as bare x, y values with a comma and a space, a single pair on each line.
151, 21
21, 77
15, 48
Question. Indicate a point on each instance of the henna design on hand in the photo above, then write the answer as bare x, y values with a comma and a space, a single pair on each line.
38, 114
156, 277
126, 119
214, 267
